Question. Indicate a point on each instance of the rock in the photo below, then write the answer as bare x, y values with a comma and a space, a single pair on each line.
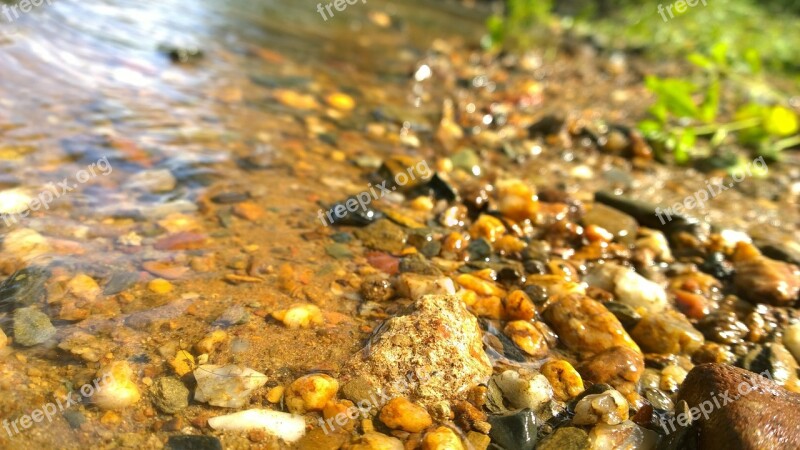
775, 359
288, 427
626, 315
400, 413
629, 287
14, 201
487, 227
585, 326
120, 391
442, 438
182, 363
32, 327
84, 287
529, 339
621, 225
625, 435
518, 430
791, 339
766, 417
383, 235
564, 379
25, 287
372, 440
565, 438
438, 341
74, 418
759, 279
530, 390
516, 200
610, 408
668, 332
620, 367
211, 342
376, 289
310, 393
25, 244
299, 316
191, 442
229, 386
152, 181
169, 395
160, 286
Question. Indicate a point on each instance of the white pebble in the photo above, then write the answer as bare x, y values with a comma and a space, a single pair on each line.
289, 427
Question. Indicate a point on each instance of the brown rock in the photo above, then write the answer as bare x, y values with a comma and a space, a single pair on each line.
667, 332
617, 366
585, 326
433, 354
768, 417
762, 280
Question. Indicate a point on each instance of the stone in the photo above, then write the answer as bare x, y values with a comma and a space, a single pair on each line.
617, 366
372, 440
565, 438
383, 235
585, 326
669, 332
118, 389
169, 395
438, 342
564, 379
529, 339
32, 327
791, 340
517, 430
310, 393
624, 435
414, 286
531, 390
86, 346
442, 438
768, 416
775, 359
759, 279
152, 181
629, 287
621, 225
25, 244
289, 427
228, 386
192, 442
400, 413
609, 407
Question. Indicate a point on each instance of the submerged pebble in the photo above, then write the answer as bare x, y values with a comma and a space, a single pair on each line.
288, 427
228, 386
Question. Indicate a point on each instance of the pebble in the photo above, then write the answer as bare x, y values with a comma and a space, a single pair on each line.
160, 286
531, 391
74, 418
438, 342
621, 225
248, 211
121, 391
777, 360
3, 340
442, 438
517, 430
340, 101
289, 427
192, 442
759, 279
182, 363
400, 413
791, 340
415, 286
211, 342
86, 346
518, 306
169, 395
165, 270
629, 287
14, 201
668, 332
84, 287
529, 339
609, 407
228, 386
383, 235
25, 244
767, 417
373, 440
299, 316
564, 379
310, 393
516, 200
32, 327
585, 326
487, 227
565, 438
626, 435
152, 181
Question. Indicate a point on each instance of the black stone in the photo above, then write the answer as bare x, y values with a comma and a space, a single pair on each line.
515, 431
189, 442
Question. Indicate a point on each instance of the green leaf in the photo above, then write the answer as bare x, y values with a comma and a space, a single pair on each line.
700, 60
684, 145
710, 106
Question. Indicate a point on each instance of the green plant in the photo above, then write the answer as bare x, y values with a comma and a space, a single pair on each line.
685, 110
514, 27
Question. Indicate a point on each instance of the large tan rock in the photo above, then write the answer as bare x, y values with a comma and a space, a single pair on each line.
432, 354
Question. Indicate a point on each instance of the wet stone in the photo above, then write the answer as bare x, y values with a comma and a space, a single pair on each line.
565, 438
621, 225
723, 327
774, 357
25, 287
32, 327
152, 181
228, 386
383, 235
120, 281
169, 395
234, 315
617, 366
762, 280
230, 198
74, 418
416, 263
479, 249
191, 442
667, 332
517, 430
376, 289
626, 315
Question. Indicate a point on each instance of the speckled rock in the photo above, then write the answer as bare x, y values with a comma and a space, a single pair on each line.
383, 235
169, 395
762, 280
585, 326
620, 367
32, 327
667, 332
529, 390
766, 417
565, 438
432, 354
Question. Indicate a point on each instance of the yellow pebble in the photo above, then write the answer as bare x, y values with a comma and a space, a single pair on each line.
518, 306
310, 393
442, 438
183, 363
160, 286
341, 101
527, 338
211, 341
488, 227
400, 413
299, 316
565, 380
274, 395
